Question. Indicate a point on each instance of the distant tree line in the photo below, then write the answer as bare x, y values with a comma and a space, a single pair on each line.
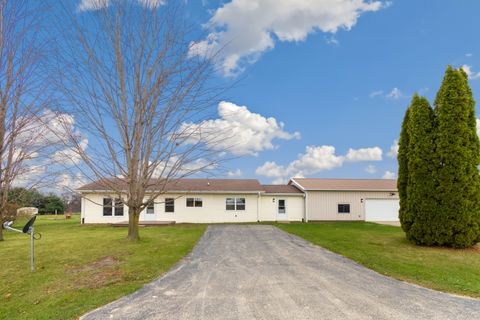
438, 176
45, 203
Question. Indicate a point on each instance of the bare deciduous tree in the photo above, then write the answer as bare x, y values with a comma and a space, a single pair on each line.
23, 138
128, 77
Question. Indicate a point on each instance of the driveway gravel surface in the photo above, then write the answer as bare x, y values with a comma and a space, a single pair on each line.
261, 272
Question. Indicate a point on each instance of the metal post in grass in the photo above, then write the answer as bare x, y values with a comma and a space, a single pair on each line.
30, 230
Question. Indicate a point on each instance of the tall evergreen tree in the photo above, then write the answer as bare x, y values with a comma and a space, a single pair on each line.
457, 220
402, 181
421, 201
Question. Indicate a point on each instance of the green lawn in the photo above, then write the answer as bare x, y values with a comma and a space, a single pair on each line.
385, 250
82, 267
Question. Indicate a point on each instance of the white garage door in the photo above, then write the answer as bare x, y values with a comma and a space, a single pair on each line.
381, 210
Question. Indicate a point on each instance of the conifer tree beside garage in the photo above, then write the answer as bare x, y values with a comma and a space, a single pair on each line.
421, 201
402, 181
457, 217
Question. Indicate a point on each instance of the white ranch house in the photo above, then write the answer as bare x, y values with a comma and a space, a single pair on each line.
246, 200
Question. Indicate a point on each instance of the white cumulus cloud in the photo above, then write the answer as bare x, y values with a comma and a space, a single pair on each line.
270, 169
240, 30
389, 175
364, 154
376, 93
393, 152
70, 155
314, 160
86, 5
371, 169
235, 173
69, 182
238, 131
470, 73
395, 93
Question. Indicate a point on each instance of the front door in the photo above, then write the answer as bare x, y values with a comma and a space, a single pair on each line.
282, 209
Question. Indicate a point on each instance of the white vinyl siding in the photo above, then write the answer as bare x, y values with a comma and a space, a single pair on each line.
212, 211
269, 207
323, 205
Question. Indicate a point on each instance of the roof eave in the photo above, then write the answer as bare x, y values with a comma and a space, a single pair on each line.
297, 185
181, 191
369, 190
283, 194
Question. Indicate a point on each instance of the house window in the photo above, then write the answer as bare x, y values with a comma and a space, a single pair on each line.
194, 202
281, 206
235, 204
151, 208
240, 202
343, 208
230, 204
107, 206
169, 205
118, 207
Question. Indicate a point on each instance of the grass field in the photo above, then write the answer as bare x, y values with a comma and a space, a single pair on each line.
385, 250
82, 267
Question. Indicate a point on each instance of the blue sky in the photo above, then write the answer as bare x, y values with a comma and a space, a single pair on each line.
337, 75
333, 88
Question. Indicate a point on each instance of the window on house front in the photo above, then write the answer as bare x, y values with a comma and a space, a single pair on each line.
235, 204
194, 202
107, 206
343, 208
240, 203
169, 205
118, 207
151, 208
230, 204
281, 206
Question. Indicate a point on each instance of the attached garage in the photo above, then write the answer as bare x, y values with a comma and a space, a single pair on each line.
381, 209
349, 199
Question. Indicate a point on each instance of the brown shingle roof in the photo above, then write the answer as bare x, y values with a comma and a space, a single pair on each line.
187, 185
346, 184
281, 189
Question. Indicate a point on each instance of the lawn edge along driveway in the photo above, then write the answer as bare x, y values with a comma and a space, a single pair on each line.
385, 250
82, 267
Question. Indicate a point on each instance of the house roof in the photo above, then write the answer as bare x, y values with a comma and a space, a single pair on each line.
281, 189
345, 184
182, 185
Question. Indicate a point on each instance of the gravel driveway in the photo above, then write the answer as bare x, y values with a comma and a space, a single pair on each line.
261, 272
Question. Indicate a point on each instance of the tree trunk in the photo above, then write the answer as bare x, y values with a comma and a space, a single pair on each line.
1, 232
133, 217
